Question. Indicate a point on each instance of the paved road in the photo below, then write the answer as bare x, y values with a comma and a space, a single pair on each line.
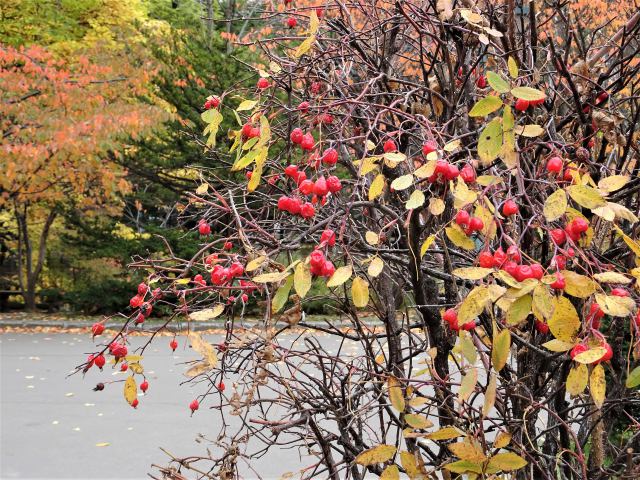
51, 425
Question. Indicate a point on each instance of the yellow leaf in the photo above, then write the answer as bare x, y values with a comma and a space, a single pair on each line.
468, 450
577, 379
513, 67
202, 189
417, 421
402, 183
452, 146
207, 313
564, 323
372, 238
462, 196
197, 369
379, 454
416, 200
410, 465
246, 105
392, 159
426, 244
302, 279
271, 277
468, 348
556, 345
611, 277
502, 440
589, 356
472, 273
464, 466
506, 462
305, 46
542, 304
376, 187
390, 473
598, 385
490, 141
375, 267
257, 170
530, 130
519, 310
586, 196
130, 390
613, 183
314, 23
103, 444
446, 433
485, 106
468, 384
578, 285
204, 348
282, 295
632, 244
255, 263
395, 394
490, 395
486, 180
426, 170
459, 238
615, 306
555, 206
527, 93
360, 292
340, 276
436, 206
500, 350
473, 305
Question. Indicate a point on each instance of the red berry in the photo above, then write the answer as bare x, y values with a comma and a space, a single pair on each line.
135, 402
97, 329
303, 107
476, 224
262, 83
204, 228
307, 210
428, 147
559, 282
236, 269
469, 325
523, 272
246, 130
450, 316
509, 208
330, 156
522, 105
328, 269
602, 97
333, 184
558, 236
560, 261
320, 188
306, 187
144, 386
123, 367
296, 136
468, 173
307, 142
173, 345
317, 259
99, 361
389, 146
328, 237
291, 171
462, 218
142, 289
221, 386
486, 259
295, 206
227, 245
194, 406
140, 318
481, 82
292, 22
511, 268
499, 257
554, 165
579, 225
537, 271
244, 297
136, 301
619, 292
316, 87
542, 327
452, 172
608, 354
514, 253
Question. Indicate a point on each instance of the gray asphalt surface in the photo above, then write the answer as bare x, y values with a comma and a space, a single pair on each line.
51, 426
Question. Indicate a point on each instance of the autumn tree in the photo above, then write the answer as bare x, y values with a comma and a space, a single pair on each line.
460, 175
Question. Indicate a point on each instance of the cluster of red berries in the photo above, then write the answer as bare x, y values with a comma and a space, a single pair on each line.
522, 105
296, 206
138, 301
249, 131
221, 275
97, 360
212, 102
305, 140
572, 230
319, 264
321, 187
468, 223
304, 106
451, 317
118, 350
444, 172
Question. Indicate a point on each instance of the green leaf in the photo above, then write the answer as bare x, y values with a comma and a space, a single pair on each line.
246, 105
633, 380
282, 295
486, 106
528, 93
497, 82
490, 141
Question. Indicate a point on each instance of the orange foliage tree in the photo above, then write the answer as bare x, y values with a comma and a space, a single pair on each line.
60, 122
